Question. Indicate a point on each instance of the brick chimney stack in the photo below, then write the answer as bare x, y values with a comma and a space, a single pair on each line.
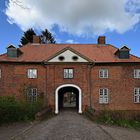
101, 40
36, 39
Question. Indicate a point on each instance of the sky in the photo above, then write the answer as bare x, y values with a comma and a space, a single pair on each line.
72, 21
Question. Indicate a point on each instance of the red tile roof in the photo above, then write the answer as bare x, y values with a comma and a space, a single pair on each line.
95, 52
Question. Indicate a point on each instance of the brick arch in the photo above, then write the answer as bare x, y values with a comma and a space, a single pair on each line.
68, 85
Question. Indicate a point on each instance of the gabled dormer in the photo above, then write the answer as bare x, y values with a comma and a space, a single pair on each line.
123, 53
13, 52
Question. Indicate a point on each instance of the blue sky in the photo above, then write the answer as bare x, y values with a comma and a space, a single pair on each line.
120, 26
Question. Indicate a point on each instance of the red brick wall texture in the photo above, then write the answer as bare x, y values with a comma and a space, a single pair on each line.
121, 83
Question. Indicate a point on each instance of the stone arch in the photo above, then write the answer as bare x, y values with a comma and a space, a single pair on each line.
68, 85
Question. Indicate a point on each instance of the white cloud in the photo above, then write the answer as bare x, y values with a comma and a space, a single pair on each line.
133, 6
80, 17
70, 41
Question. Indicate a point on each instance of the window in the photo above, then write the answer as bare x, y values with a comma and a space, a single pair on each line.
103, 73
103, 96
68, 73
136, 95
75, 58
137, 73
61, 58
32, 73
32, 94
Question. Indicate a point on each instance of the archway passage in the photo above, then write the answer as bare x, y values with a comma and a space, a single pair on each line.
68, 96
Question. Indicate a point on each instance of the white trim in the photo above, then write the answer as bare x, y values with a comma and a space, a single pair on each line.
68, 73
32, 73
68, 85
137, 94
136, 73
32, 94
103, 99
102, 73
68, 57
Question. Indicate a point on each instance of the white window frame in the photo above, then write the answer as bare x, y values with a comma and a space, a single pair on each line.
137, 95
32, 94
32, 73
103, 73
136, 73
68, 73
103, 96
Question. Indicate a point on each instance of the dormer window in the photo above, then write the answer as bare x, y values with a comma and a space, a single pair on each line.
123, 53
12, 51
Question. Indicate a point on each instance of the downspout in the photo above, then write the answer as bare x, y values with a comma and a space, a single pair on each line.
90, 84
46, 81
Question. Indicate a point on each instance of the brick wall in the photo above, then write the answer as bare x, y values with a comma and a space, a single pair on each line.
55, 79
120, 83
14, 79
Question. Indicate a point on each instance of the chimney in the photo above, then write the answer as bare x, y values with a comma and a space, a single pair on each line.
36, 39
101, 40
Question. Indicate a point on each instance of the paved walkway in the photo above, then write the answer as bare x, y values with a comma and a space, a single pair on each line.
69, 125
8, 131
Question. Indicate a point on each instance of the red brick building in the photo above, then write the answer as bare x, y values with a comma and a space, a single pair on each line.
99, 75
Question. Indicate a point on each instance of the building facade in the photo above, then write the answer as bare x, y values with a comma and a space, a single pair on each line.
100, 75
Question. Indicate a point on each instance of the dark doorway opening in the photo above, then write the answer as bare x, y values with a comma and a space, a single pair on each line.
68, 98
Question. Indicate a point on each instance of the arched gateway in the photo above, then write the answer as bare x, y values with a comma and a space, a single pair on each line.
69, 88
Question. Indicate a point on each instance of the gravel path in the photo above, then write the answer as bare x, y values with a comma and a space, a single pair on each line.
69, 125
8, 131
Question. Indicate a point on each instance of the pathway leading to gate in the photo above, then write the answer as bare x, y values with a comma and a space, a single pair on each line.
69, 125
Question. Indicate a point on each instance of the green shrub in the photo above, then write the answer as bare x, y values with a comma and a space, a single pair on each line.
119, 118
12, 110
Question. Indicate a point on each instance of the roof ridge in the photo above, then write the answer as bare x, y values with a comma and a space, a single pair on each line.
2, 54
95, 52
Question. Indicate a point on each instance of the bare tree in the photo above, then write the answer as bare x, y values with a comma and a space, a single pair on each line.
19, 3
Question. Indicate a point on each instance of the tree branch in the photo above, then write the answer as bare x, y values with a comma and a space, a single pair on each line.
19, 3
